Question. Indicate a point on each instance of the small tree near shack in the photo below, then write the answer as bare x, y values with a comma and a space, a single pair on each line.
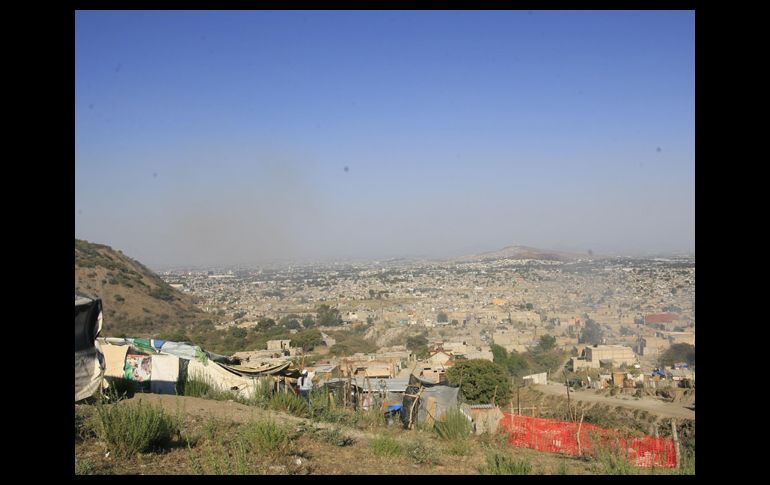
480, 381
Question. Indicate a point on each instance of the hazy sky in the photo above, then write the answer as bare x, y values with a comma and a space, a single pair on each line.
234, 137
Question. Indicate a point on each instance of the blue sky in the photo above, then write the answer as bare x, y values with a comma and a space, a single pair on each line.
220, 137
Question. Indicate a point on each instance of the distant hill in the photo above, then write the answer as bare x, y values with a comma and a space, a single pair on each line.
523, 252
136, 301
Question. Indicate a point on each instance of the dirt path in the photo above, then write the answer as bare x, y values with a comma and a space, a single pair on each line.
651, 405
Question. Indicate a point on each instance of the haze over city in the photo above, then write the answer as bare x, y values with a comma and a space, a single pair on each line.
245, 137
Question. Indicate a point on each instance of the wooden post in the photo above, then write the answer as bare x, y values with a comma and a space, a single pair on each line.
494, 394
580, 449
369, 384
676, 441
569, 407
518, 400
411, 409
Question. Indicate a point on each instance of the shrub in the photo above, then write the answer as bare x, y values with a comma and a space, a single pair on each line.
453, 425
202, 386
85, 425
370, 418
133, 428
322, 409
290, 403
385, 446
265, 437
609, 459
84, 467
335, 437
119, 388
460, 447
503, 464
421, 452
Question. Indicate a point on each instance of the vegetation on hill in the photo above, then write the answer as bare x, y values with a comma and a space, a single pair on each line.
480, 381
544, 358
137, 302
678, 353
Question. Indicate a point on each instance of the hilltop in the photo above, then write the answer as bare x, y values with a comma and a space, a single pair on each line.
523, 252
137, 302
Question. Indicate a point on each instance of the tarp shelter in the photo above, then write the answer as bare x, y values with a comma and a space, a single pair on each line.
426, 402
160, 366
89, 360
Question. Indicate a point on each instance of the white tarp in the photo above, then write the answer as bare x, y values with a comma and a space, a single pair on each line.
115, 359
165, 373
217, 376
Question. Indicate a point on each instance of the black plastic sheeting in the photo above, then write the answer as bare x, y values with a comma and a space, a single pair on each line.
86, 321
446, 397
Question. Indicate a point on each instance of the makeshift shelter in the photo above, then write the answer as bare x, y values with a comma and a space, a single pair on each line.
343, 392
89, 360
162, 367
426, 402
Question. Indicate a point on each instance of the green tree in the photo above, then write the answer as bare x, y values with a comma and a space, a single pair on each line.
417, 341
289, 321
547, 342
265, 323
442, 317
480, 381
327, 316
308, 321
516, 364
591, 334
307, 339
678, 353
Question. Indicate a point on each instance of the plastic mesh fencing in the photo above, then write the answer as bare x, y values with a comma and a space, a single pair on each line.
556, 436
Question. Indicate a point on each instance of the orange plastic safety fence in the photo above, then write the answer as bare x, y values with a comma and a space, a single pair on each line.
561, 437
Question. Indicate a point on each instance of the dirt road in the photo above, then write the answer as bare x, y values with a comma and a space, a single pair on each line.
649, 404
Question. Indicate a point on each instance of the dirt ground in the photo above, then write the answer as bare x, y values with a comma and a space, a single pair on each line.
653, 405
309, 455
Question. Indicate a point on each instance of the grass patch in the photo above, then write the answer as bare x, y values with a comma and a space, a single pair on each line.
610, 460
503, 464
85, 423
385, 446
84, 467
135, 427
460, 447
335, 437
370, 418
497, 440
289, 403
201, 386
265, 437
421, 452
323, 409
119, 388
453, 425
562, 468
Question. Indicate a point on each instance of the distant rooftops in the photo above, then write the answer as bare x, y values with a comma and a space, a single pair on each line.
661, 318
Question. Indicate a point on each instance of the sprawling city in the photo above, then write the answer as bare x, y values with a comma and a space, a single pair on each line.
384, 242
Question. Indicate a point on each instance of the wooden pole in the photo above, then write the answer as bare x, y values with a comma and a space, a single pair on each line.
494, 394
569, 407
676, 441
518, 400
411, 409
580, 448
